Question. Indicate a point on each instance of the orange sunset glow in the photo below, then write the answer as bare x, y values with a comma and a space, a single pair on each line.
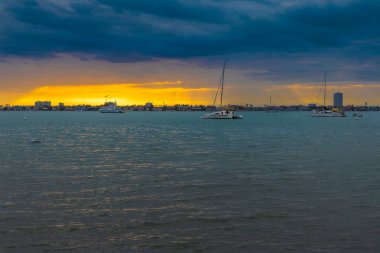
123, 94
74, 82
171, 93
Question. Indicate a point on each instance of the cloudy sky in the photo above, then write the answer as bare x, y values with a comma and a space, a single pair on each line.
172, 51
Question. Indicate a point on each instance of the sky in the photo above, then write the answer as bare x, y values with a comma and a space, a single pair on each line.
172, 51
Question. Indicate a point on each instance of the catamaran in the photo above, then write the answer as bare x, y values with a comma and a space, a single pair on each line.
335, 112
222, 114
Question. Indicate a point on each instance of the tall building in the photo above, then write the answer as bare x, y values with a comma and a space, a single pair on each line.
338, 99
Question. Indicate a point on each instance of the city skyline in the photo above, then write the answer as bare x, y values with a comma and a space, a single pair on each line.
80, 51
336, 102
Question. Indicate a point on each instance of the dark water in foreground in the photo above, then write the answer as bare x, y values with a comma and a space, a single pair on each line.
171, 182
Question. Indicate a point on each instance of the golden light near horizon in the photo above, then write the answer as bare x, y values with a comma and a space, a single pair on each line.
312, 93
174, 92
72, 82
124, 94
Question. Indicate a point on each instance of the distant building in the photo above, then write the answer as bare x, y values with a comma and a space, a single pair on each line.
149, 106
338, 99
61, 107
43, 105
312, 106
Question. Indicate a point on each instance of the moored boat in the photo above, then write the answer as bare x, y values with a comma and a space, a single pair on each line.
110, 107
335, 112
222, 114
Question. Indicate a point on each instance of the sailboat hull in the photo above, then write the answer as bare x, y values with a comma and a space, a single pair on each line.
208, 116
327, 114
222, 115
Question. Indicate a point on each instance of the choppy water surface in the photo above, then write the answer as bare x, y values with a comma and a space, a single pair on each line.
171, 182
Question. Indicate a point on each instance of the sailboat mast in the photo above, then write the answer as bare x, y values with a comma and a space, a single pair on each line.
324, 94
270, 102
221, 94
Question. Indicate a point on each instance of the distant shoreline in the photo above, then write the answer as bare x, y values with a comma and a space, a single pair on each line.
188, 108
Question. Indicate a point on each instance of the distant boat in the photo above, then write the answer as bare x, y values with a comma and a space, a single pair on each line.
270, 108
222, 114
335, 112
327, 113
110, 107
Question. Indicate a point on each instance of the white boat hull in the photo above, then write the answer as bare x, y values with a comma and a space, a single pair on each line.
111, 109
222, 115
111, 112
210, 116
327, 114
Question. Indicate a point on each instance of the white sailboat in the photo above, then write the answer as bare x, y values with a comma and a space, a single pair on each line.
336, 112
222, 114
270, 108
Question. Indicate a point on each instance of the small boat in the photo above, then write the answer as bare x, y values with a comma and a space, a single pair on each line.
270, 108
335, 112
110, 107
327, 113
222, 114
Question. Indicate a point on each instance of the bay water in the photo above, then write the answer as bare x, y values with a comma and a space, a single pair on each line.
172, 182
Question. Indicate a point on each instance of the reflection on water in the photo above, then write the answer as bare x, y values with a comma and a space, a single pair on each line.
171, 182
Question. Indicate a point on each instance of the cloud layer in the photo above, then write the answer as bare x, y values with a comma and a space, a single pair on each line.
265, 35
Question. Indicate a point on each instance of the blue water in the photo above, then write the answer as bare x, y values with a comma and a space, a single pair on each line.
172, 182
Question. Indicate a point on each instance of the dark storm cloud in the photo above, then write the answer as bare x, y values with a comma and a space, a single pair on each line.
126, 30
